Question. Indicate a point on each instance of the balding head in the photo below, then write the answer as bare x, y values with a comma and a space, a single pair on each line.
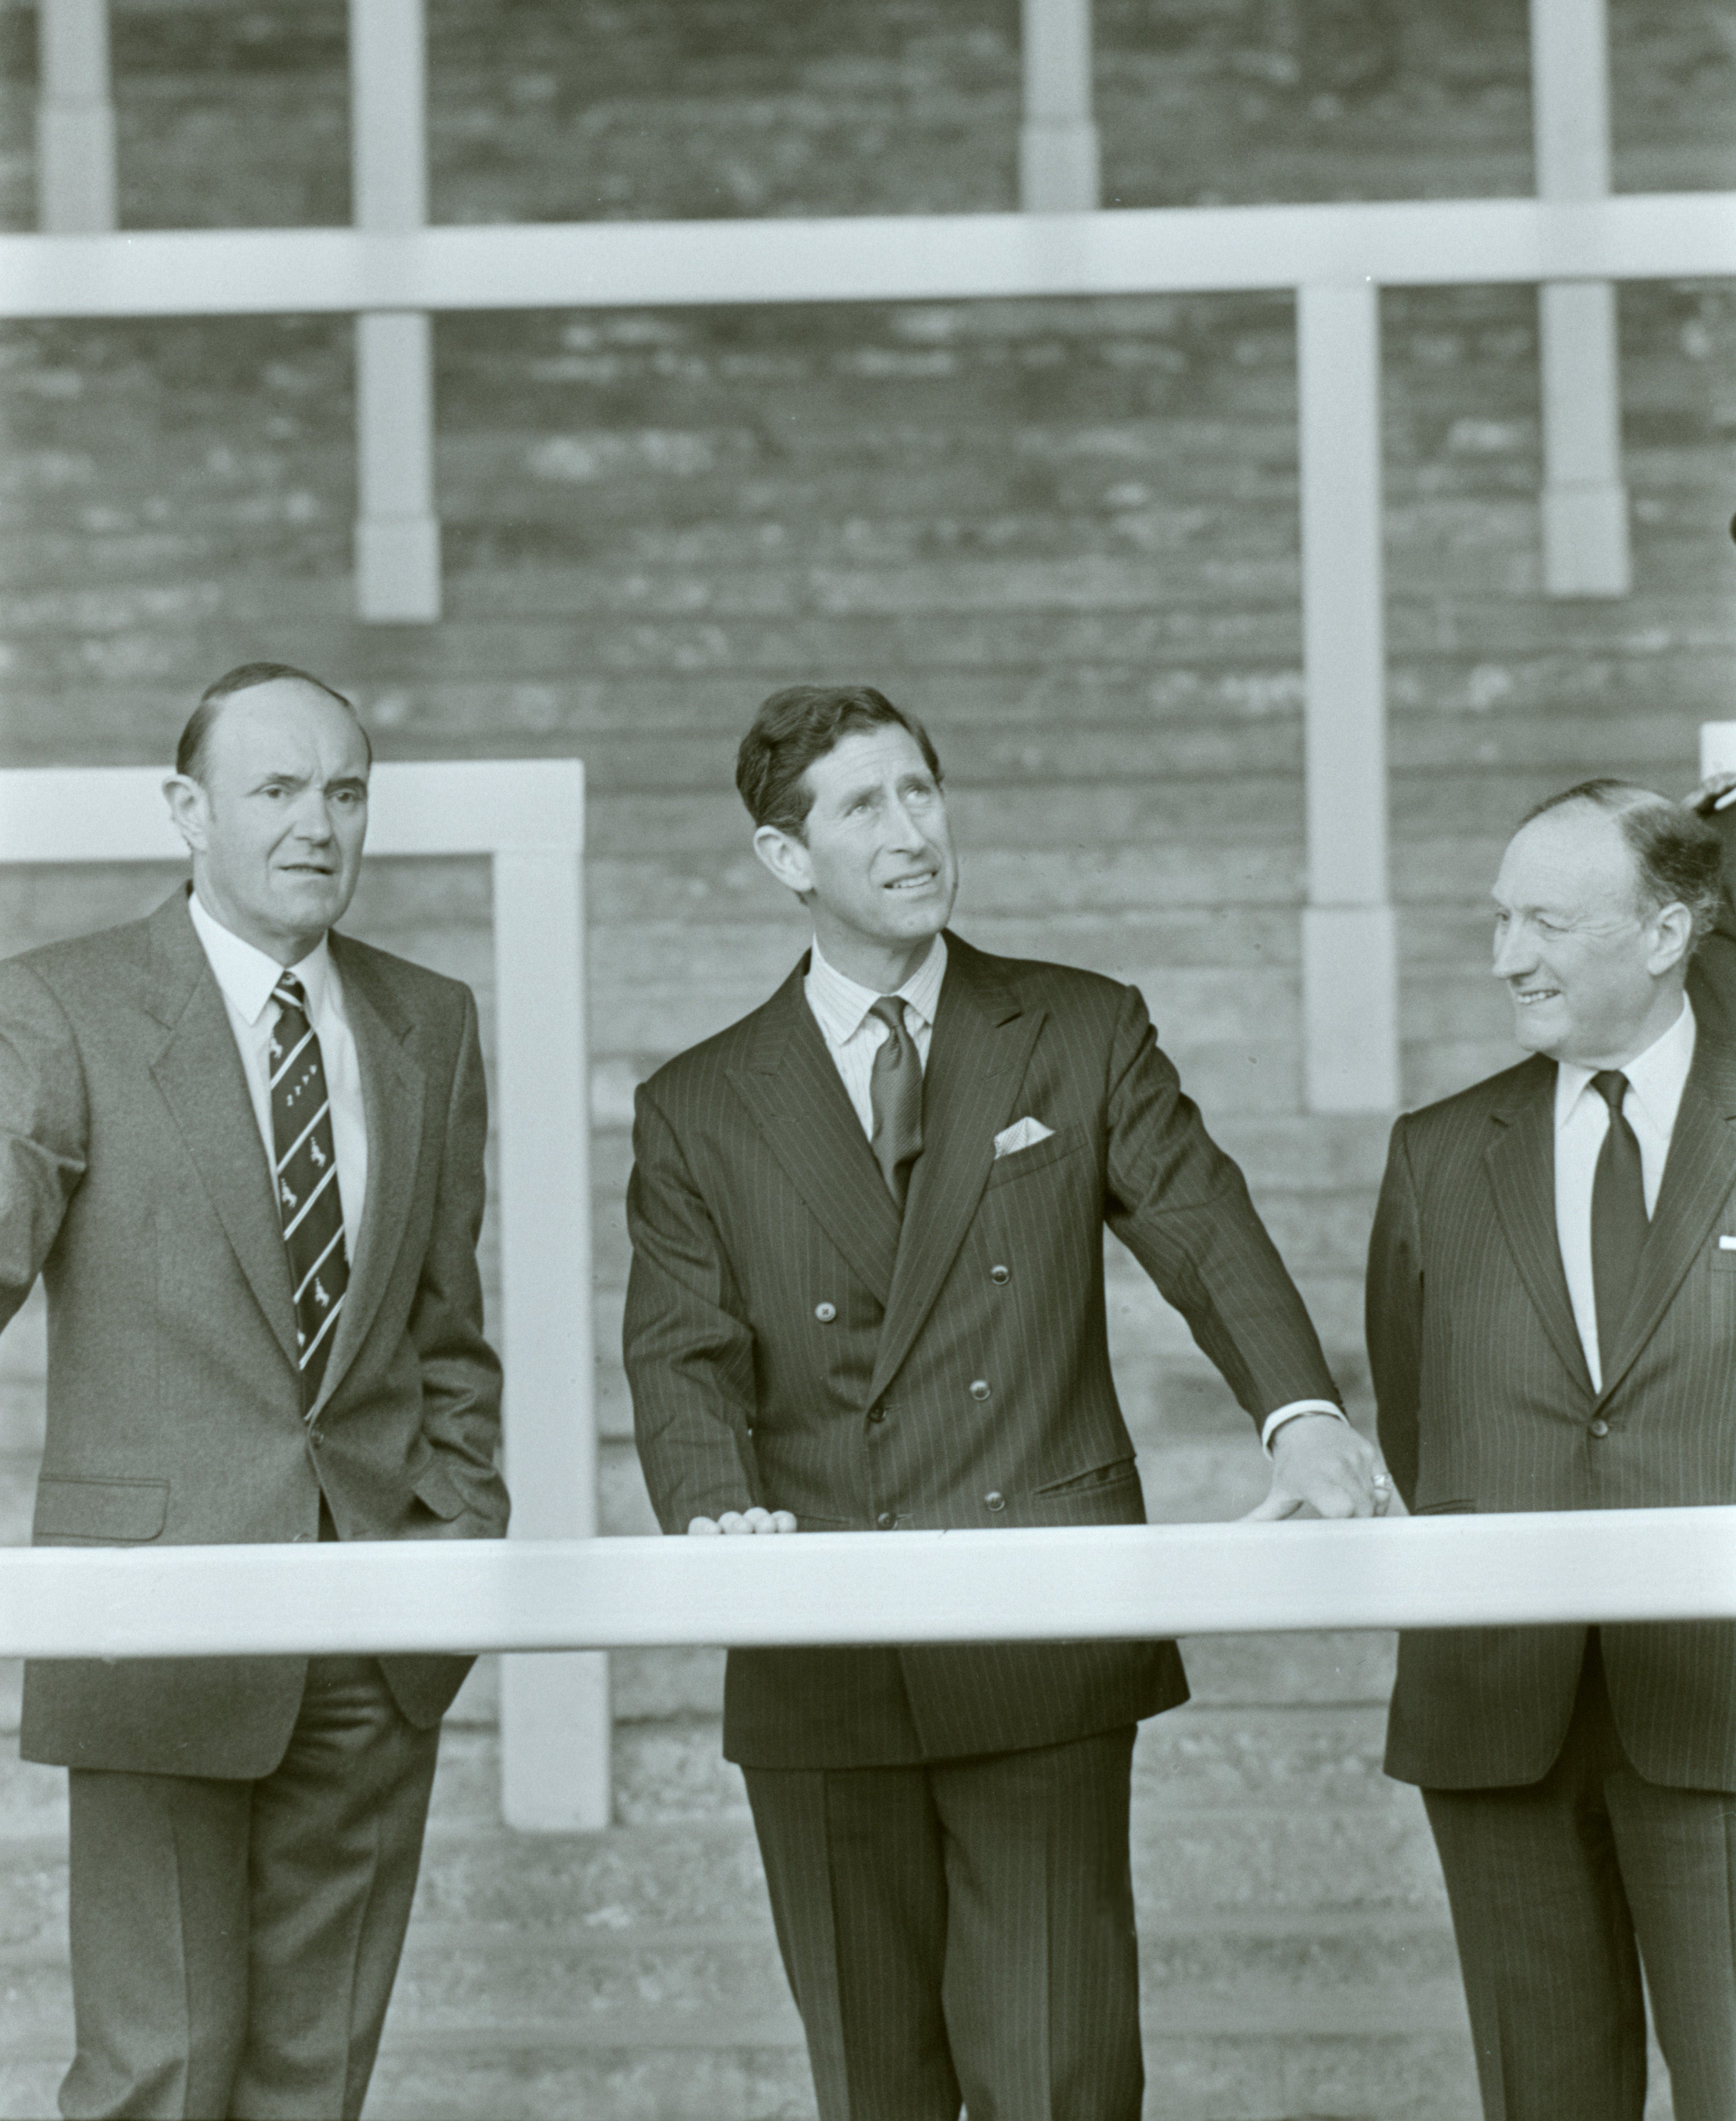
1602, 893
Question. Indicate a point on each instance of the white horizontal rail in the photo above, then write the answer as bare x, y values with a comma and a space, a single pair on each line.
80, 813
870, 258
1095, 1582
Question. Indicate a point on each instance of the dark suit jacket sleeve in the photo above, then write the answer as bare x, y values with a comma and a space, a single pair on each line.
1394, 1313
688, 1346
1181, 1207
45, 1127
461, 1376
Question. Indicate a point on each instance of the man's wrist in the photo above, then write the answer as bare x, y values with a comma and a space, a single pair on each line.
1293, 1411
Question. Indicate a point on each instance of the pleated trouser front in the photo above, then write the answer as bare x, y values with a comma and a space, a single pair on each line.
961, 1930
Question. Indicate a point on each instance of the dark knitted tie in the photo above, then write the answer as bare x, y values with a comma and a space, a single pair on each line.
308, 1200
895, 1090
1618, 1218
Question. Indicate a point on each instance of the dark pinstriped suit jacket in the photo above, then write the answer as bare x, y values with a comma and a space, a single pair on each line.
1486, 1403
788, 1345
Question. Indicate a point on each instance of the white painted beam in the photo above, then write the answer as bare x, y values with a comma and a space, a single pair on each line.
1585, 501
893, 258
554, 1713
398, 532
75, 119
1350, 1008
1060, 164
1076, 1583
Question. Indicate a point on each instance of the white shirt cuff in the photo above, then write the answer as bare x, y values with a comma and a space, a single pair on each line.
1274, 1422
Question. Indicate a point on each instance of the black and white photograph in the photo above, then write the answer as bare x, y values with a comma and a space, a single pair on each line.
779, 770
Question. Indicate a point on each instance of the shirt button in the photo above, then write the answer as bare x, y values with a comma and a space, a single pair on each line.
1600, 1429
826, 1312
885, 1521
995, 1499
1000, 1273
980, 1388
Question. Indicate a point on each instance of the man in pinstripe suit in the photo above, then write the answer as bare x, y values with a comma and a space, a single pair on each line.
1551, 1321
866, 1292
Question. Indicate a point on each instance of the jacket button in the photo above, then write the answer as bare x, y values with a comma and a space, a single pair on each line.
314, 1438
876, 1414
980, 1388
826, 1312
995, 1499
1600, 1429
1000, 1273
885, 1521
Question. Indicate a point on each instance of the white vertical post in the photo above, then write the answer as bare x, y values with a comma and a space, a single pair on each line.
554, 1725
75, 119
1059, 165
398, 533
1350, 1009
1584, 503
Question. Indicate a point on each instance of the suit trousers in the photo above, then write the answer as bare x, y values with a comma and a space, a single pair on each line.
234, 1943
1560, 1890
961, 1929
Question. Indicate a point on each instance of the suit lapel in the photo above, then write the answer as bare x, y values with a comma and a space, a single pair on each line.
977, 1060
792, 1087
200, 1075
1699, 1175
393, 1091
1521, 1166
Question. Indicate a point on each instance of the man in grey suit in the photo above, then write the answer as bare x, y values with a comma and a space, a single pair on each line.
1552, 1323
867, 1294
246, 1155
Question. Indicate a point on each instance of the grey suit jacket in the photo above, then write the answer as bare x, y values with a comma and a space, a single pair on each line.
133, 1179
1486, 1403
790, 1343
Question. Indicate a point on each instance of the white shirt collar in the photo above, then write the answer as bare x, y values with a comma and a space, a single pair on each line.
1656, 1078
840, 1004
247, 975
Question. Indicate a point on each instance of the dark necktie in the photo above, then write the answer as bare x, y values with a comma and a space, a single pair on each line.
308, 1200
1618, 1218
894, 1091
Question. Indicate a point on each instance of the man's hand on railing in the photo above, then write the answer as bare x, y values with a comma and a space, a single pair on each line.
742, 1520
1322, 1464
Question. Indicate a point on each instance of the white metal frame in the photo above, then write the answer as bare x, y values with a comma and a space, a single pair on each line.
1078, 1583
391, 271
528, 817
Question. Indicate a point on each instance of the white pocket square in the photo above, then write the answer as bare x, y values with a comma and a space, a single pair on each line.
1022, 1133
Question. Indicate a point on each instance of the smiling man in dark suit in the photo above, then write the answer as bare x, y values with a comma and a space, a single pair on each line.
246, 1155
1552, 1323
866, 1292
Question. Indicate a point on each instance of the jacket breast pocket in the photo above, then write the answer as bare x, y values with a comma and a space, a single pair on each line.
1065, 1141
107, 1513
1722, 1261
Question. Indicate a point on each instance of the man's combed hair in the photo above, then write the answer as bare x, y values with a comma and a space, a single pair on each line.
189, 756
1679, 856
795, 727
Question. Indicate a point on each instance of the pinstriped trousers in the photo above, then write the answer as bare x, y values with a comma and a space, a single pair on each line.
961, 1930
1559, 1889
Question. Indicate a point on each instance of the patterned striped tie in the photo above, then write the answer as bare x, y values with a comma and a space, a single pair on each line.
307, 1199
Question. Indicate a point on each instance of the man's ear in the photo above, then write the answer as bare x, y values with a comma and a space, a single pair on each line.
786, 857
1673, 940
189, 806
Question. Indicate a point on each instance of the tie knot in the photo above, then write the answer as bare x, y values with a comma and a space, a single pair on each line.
1610, 1085
290, 992
889, 1010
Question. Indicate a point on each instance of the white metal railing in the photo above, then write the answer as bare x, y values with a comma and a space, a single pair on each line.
1079, 1583
527, 816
